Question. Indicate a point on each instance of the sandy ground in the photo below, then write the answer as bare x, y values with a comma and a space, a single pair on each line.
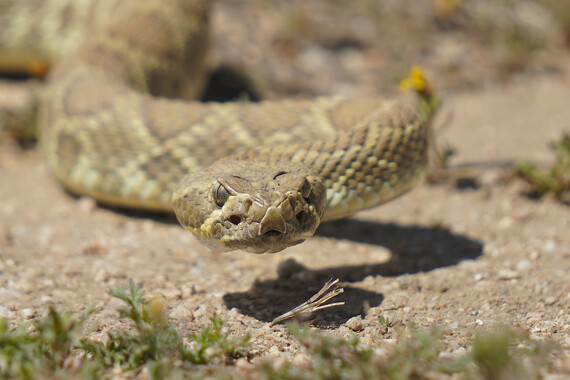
459, 258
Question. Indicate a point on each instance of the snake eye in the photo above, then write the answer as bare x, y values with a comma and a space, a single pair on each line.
221, 195
306, 189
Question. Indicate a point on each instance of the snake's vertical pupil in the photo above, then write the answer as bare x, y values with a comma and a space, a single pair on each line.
221, 195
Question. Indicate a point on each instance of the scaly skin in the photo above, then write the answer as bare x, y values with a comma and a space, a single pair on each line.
110, 130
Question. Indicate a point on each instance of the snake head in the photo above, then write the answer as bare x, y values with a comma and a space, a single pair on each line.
253, 206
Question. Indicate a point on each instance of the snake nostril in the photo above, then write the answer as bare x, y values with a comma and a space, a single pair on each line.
301, 216
235, 219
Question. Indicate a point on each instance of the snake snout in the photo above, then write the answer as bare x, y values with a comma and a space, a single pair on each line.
272, 223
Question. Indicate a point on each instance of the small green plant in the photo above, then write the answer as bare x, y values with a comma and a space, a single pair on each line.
419, 352
386, 321
51, 347
212, 345
156, 341
443, 155
414, 356
553, 182
153, 338
41, 349
491, 353
500, 353
47, 347
496, 354
331, 358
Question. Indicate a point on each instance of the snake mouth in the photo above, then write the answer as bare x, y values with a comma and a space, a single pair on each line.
273, 237
273, 234
274, 241
271, 241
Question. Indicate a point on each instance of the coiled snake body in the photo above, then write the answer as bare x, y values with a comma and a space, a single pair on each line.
252, 176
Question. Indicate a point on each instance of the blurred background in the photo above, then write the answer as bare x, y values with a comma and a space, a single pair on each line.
364, 47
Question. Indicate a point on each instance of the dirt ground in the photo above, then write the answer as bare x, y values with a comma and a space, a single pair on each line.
459, 257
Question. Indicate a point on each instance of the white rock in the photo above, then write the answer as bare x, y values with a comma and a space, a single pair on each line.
28, 313
524, 265
508, 274
5, 312
549, 300
355, 323
181, 312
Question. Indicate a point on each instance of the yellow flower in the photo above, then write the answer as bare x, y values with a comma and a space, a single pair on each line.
416, 81
429, 101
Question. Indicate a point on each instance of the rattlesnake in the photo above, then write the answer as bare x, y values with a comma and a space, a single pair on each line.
252, 176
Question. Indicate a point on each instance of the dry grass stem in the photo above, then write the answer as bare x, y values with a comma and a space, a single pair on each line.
316, 302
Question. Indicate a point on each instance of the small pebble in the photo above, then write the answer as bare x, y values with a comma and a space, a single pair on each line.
4, 312
200, 312
508, 274
28, 313
549, 246
274, 351
94, 248
524, 265
549, 300
181, 312
100, 276
242, 363
7, 237
233, 312
506, 222
7, 294
87, 205
355, 323
278, 363
287, 268
302, 361
488, 249
211, 352
171, 294
490, 177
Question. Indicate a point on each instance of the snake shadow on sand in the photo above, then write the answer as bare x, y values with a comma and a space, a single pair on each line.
414, 249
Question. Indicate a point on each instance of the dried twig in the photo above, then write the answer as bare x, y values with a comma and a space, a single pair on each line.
316, 302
